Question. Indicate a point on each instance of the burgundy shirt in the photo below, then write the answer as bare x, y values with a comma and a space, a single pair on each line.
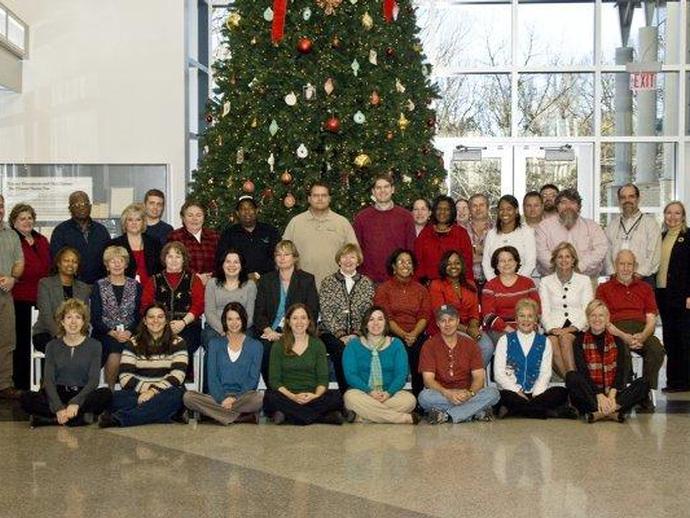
452, 366
632, 302
36, 266
406, 303
202, 255
430, 246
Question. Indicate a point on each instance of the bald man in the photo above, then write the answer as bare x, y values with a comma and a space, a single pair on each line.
633, 315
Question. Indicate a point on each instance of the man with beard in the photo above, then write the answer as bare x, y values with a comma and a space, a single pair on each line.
548, 194
584, 234
634, 231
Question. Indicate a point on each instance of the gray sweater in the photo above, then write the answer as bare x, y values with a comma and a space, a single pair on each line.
78, 366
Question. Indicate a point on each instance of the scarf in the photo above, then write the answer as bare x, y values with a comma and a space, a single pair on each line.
375, 371
601, 365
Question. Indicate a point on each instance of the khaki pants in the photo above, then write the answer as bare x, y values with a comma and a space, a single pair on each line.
652, 352
395, 409
7, 340
247, 403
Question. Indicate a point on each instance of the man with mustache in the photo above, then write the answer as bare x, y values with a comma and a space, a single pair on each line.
584, 234
634, 231
548, 194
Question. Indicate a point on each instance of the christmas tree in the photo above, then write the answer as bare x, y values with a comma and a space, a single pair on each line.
332, 90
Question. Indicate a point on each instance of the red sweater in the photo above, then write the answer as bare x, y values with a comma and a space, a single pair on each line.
406, 303
442, 292
36, 266
430, 246
498, 301
197, 306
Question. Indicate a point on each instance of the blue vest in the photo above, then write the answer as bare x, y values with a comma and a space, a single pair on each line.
526, 369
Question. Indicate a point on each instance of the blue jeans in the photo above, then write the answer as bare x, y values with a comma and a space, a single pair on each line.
487, 347
159, 409
483, 400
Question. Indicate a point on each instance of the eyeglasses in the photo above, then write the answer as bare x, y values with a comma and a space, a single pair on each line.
79, 205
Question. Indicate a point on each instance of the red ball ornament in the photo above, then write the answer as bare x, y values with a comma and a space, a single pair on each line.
375, 98
267, 193
332, 125
305, 46
390, 52
425, 150
248, 186
431, 122
389, 135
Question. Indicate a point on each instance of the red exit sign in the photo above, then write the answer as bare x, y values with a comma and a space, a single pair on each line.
642, 81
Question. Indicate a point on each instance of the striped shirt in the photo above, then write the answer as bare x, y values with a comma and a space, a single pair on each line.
499, 300
161, 371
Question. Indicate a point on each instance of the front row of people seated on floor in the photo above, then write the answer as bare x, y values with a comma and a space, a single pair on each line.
154, 364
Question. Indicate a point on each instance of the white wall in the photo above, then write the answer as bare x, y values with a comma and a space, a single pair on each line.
104, 83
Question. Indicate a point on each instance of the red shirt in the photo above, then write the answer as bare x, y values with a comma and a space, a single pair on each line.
452, 366
466, 302
36, 266
430, 246
499, 300
140, 259
632, 302
202, 255
197, 306
406, 303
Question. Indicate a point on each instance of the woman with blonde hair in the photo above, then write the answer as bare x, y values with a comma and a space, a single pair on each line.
564, 295
143, 249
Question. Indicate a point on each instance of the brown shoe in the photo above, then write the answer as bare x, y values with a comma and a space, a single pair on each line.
10, 393
252, 418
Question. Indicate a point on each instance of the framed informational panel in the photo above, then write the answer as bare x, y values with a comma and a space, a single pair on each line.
111, 187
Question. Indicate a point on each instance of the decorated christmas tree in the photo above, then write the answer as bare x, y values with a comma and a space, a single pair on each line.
332, 90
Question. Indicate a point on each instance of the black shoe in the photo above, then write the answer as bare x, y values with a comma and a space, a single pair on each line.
181, 417
349, 416
278, 417
620, 417
106, 420
415, 417
37, 420
589, 417
88, 418
502, 412
335, 417
252, 418
565, 412
646, 406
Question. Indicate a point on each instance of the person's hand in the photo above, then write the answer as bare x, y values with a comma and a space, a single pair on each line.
377, 395
410, 339
204, 277
604, 404
345, 339
384, 396
62, 416
7, 283
270, 335
556, 331
304, 397
71, 411
146, 396
177, 326
637, 342
228, 402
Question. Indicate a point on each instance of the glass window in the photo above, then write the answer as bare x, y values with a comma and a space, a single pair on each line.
456, 36
474, 105
555, 105
467, 177
643, 112
15, 32
556, 34
3, 22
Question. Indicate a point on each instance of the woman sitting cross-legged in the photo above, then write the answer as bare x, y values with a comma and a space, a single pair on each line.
298, 374
152, 372
376, 370
233, 366
522, 369
597, 386
73, 366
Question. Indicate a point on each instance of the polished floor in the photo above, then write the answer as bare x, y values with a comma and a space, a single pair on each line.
513, 467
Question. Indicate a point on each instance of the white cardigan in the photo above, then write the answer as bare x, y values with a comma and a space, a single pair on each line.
521, 238
561, 302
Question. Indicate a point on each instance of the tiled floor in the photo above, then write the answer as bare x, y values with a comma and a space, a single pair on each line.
507, 468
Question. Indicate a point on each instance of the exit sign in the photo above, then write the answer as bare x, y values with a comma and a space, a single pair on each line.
640, 81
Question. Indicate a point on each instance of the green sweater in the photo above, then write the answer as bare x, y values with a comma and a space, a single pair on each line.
299, 373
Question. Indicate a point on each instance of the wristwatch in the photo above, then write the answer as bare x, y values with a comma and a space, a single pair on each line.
472, 392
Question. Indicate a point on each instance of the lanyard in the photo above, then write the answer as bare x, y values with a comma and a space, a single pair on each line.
626, 233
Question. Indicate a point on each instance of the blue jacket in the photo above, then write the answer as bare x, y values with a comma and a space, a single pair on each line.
68, 233
394, 366
226, 378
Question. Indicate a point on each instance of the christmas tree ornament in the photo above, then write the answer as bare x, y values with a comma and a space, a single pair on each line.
353, 2
255, 122
267, 193
390, 52
210, 181
226, 108
421, 173
332, 124
305, 46
355, 67
306, 14
253, 82
431, 122
389, 135
291, 99
403, 122
425, 150
329, 86
273, 128
335, 42
359, 118
289, 201
209, 119
233, 80
329, 6
233, 21
253, 40
302, 151
399, 87
248, 186
374, 98
362, 160
268, 14
417, 47
407, 179
390, 10
271, 161
373, 57
206, 150
367, 21
410, 105
286, 177
309, 92
239, 156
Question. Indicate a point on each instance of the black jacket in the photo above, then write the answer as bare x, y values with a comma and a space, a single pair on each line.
678, 278
152, 254
302, 289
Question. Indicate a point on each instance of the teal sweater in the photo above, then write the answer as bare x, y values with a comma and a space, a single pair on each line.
394, 366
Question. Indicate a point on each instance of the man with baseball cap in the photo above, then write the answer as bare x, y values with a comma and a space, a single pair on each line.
453, 372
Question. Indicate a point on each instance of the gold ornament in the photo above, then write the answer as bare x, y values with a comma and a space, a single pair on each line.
329, 86
255, 122
329, 6
367, 21
403, 122
362, 160
233, 20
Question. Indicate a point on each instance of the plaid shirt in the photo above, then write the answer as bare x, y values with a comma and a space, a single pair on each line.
201, 254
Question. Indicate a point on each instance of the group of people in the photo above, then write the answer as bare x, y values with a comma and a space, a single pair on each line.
439, 294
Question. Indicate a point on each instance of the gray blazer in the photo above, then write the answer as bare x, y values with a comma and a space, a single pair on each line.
50, 296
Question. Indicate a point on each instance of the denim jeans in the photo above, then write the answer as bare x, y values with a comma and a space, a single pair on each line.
487, 347
159, 409
483, 400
